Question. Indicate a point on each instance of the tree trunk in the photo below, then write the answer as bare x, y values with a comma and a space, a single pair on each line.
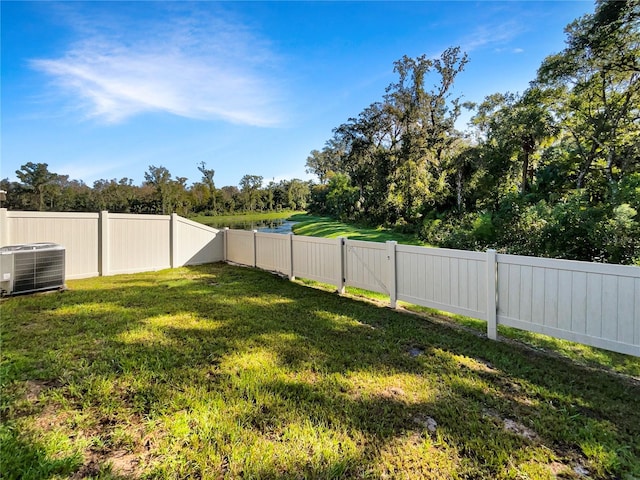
459, 189
528, 146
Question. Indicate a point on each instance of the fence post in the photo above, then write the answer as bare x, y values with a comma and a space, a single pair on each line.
391, 265
341, 280
4, 228
291, 275
492, 287
255, 250
173, 241
103, 243
225, 245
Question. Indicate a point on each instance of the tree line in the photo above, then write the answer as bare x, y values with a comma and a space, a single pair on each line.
160, 193
553, 171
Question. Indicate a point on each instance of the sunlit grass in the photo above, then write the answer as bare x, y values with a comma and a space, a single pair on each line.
222, 372
326, 227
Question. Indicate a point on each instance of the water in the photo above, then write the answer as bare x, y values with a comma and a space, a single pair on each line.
279, 225
284, 226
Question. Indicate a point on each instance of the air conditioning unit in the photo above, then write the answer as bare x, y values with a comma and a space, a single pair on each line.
31, 268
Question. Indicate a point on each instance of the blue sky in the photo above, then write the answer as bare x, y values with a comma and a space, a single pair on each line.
105, 89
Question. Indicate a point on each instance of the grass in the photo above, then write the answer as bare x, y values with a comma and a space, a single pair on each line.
314, 226
243, 218
224, 372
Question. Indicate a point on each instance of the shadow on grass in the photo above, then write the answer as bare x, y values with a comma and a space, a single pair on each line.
28, 460
244, 374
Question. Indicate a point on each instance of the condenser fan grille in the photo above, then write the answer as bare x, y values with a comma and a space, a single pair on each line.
38, 270
35, 267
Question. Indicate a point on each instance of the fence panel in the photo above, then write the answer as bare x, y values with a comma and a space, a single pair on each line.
318, 259
240, 247
273, 252
450, 280
367, 265
77, 232
591, 303
138, 243
111, 243
197, 243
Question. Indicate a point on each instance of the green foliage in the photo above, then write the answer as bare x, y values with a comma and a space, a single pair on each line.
159, 194
396, 154
553, 171
36, 178
573, 228
622, 235
341, 197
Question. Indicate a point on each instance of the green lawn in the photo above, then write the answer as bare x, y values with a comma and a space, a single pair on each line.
226, 372
314, 226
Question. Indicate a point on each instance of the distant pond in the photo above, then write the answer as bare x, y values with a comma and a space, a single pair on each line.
279, 225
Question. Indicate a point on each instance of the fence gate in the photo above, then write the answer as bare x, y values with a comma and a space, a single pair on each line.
367, 266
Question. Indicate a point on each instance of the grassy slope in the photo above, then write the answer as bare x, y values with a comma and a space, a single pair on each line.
329, 228
218, 371
244, 217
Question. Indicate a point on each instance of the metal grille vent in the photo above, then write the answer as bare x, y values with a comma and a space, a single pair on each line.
36, 267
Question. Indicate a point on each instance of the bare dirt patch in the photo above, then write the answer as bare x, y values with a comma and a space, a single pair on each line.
50, 418
124, 463
513, 426
90, 468
393, 392
121, 463
519, 429
34, 388
426, 422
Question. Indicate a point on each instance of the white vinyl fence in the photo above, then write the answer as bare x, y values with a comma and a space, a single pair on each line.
590, 303
594, 304
111, 243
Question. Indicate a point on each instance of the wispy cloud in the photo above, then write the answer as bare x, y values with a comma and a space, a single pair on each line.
491, 35
509, 50
192, 64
